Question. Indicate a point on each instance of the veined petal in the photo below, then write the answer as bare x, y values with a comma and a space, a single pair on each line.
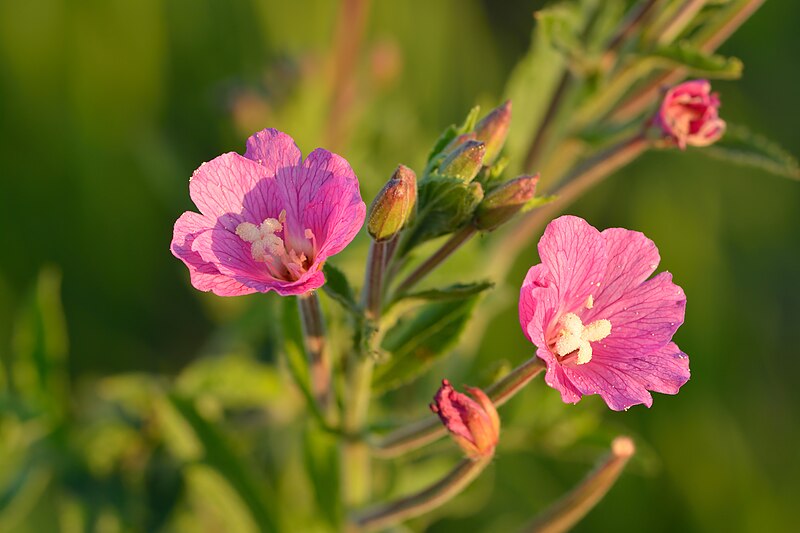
643, 319
575, 255
631, 258
538, 304
233, 189
204, 275
273, 150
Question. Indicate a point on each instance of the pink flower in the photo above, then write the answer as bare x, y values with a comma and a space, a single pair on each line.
473, 424
269, 219
598, 323
689, 115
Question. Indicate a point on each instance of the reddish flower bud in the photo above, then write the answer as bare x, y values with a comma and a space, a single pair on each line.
492, 130
689, 115
473, 423
393, 206
504, 202
465, 162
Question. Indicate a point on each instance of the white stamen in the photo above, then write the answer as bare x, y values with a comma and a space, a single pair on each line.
589, 302
575, 336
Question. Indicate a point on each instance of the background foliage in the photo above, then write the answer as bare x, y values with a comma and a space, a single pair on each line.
107, 108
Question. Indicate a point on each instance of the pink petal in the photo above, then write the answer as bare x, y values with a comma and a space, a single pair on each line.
323, 195
204, 275
664, 370
618, 390
538, 302
233, 188
632, 257
643, 319
574, 253
274, 150
556, 378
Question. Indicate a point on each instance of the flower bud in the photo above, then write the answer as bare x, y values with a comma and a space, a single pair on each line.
393, 206
504, 202
458, 140
689, 115
473, 423
465, 161
492, 130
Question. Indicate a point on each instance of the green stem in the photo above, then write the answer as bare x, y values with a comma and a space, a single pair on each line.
585, 176
439, 493
450, 246
319, 364
430, 429
570, 509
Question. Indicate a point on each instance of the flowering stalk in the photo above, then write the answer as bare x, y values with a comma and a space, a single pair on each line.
430, 429
566, 512
384, 515
319, 365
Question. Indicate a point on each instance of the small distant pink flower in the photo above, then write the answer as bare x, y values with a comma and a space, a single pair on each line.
473, 423
600, 325
269, 219
689, 115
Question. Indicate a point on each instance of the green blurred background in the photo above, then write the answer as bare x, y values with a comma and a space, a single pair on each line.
106, 108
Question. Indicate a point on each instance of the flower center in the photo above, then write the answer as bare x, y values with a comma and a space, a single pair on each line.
282, 261
574, 337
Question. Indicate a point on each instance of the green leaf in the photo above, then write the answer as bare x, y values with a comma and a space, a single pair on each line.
40, 346
684, 54
217, 452
235, 381
338, 288
321, 455
451, 292
742, 147
446, 204
419, 338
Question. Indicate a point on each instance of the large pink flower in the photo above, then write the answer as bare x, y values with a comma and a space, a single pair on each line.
600, 325
689, 115
269, 219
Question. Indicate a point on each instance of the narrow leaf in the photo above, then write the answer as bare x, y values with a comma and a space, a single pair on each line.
742, 147
451, 292
338, 288
419, 338
684, 54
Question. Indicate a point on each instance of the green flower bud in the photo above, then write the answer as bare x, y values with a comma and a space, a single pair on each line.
393, 206
465, 162
492, 130
458, 140
504, 202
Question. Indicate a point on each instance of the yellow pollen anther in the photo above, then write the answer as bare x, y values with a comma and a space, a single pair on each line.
589, 302
575, 336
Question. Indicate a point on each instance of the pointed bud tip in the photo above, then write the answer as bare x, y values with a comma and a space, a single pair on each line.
493, 130
394, 205
504, 202
465, 161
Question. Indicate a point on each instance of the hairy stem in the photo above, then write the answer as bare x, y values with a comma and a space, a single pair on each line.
571, 508
430, 429
452, 484
319, 364
451, 245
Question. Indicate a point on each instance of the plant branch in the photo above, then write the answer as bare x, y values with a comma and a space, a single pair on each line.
319, 364
451, 245
571, 508
430, 429
439, 493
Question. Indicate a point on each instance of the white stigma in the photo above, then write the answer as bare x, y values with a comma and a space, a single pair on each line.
575, 336
264, 243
